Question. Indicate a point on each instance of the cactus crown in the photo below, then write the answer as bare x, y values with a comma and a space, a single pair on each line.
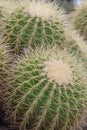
42, 10
41, 96
58, 71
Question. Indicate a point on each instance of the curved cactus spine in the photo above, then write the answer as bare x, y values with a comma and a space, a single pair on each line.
48, 90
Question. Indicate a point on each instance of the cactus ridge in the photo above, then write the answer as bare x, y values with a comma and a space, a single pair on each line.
38, 101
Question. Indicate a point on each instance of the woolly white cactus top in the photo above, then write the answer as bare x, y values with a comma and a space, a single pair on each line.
41, 8
58, 71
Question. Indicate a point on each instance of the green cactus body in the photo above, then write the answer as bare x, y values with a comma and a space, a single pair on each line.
30, 28
80, 19
48, 91
4, 59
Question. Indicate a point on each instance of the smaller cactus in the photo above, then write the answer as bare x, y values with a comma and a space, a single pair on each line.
47, 90
80, 19
34, 24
